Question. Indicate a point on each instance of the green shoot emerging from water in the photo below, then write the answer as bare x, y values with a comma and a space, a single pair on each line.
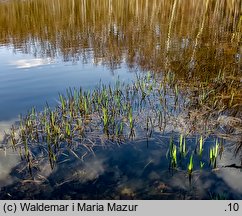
201, 145
190, 168
213, 154
182, 146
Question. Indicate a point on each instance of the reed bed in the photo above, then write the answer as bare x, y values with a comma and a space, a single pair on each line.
121, 113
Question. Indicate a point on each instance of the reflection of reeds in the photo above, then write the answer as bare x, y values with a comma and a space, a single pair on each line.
143, 33
162, 31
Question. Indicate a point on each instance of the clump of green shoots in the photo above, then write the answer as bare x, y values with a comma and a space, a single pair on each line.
213, 154
174, 157
173, 154
117, 112
63, 103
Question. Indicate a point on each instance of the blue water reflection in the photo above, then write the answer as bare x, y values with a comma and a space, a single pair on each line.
26, 81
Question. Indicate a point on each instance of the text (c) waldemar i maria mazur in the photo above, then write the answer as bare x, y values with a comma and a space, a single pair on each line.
110, 206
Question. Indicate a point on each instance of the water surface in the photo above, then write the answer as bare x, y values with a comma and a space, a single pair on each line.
47, 47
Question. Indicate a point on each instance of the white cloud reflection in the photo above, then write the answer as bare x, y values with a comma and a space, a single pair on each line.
8, 158
231, 176
29, 63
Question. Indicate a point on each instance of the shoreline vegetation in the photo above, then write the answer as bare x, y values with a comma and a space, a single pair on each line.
115, 115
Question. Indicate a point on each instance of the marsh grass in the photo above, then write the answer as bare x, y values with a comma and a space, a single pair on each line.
172, 154
213, 154
119, 114
106, 113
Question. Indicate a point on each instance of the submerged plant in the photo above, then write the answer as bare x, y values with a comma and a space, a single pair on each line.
172, 154
201, 164
218, 196
174, 157
190, 168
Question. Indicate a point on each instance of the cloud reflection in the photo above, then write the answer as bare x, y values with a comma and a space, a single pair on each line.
8, 158
29, 63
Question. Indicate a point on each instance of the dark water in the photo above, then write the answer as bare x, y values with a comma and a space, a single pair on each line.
47, 47
133, 170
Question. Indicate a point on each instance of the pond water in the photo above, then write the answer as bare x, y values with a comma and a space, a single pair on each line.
184, 77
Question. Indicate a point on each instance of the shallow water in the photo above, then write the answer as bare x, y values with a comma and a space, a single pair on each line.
129, 171
26, 81
46, 48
